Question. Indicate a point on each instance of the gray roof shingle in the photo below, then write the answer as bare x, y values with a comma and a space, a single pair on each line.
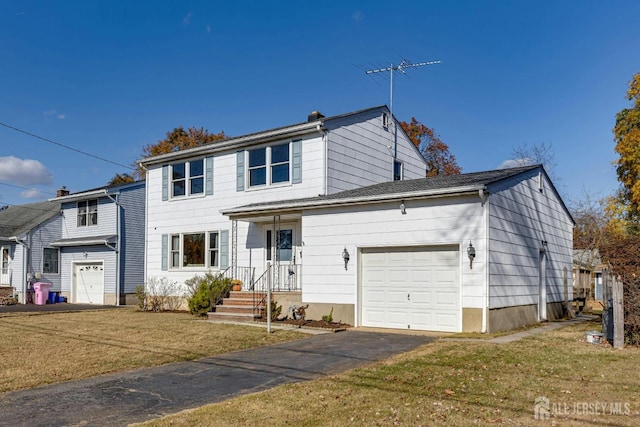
15, 220
400, 188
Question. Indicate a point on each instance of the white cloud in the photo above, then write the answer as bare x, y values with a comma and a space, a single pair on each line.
50, 115
23, 171
187, 19
32, 194
514, 163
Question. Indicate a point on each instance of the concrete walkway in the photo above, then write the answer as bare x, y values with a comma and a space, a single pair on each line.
505, 339
144, 394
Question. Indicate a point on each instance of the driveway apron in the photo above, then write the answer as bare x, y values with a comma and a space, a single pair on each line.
140, 395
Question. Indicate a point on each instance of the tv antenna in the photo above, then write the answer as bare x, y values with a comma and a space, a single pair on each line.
400, 67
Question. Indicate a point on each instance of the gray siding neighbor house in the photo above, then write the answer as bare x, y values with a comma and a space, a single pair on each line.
27, 255
102, 244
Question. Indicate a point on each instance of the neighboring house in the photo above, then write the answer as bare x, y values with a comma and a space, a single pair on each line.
338, 214
102, 244
588, 270
26, 234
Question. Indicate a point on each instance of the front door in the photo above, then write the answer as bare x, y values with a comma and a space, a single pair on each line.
4, 270
282, 251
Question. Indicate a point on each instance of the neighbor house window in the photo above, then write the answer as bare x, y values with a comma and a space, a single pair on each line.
187, 178
269, 165
194, 250
87, 213
397, 170
385, 120
5, 260
50, 260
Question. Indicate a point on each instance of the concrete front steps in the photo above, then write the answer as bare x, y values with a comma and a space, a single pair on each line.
238, 306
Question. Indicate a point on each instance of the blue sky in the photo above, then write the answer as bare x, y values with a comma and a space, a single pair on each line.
109, 77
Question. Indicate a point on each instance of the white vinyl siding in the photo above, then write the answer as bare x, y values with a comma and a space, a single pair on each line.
360, 153
521, 217
450, 222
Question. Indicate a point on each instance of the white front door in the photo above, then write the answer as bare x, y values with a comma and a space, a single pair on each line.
282, 251
89, 283
5, 278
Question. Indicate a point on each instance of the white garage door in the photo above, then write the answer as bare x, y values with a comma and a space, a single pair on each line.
89, 283
411, 288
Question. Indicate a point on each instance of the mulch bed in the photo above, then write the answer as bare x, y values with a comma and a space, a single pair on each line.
316, 324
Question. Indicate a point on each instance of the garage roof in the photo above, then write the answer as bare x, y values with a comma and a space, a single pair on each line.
423, 187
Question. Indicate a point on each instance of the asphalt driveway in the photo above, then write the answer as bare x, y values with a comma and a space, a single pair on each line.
140, 395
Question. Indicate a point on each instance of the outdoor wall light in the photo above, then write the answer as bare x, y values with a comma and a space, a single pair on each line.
403, 209
471, 253
345, 257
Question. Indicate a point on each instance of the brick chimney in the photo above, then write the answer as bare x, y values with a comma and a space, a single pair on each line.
62, 192
315, 115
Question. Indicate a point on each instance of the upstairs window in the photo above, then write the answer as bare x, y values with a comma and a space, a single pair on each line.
187, 178
397, 170
269, 165
258, 167
87, 213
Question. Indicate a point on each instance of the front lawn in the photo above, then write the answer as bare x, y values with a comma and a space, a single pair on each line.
456, 383
44, 348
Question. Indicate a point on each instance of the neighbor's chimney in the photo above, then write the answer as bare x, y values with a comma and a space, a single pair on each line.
62, 192
315, 115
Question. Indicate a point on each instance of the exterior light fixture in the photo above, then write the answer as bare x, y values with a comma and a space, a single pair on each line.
403, 209
345, 257
471, 253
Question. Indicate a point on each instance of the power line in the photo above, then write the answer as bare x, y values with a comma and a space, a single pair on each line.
64, 146
26, 188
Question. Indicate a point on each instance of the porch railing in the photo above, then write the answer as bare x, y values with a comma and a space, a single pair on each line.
5, 276
245, 274
283, 278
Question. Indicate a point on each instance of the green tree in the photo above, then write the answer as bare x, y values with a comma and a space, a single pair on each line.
439, 159
627, 138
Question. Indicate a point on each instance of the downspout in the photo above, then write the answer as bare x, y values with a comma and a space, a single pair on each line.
118, 245
325, 146
484, 196
25, 251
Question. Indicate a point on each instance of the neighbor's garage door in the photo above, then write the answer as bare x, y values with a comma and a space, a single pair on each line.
89, 283
411, 288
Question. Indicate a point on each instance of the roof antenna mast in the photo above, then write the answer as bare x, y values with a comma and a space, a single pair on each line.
400, 67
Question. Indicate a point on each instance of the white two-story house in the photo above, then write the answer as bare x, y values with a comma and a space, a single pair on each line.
340, 211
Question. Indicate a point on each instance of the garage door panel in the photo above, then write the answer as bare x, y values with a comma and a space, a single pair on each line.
417, 288
89, 283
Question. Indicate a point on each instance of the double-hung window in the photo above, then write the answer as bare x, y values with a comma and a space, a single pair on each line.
87, 213
269, 165
50, 260
187, 178
397, 170
190, 250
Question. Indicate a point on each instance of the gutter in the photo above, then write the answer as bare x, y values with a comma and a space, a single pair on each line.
243, 141
321, 203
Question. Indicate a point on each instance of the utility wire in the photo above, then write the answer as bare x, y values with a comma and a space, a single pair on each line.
26, 188
63, 146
